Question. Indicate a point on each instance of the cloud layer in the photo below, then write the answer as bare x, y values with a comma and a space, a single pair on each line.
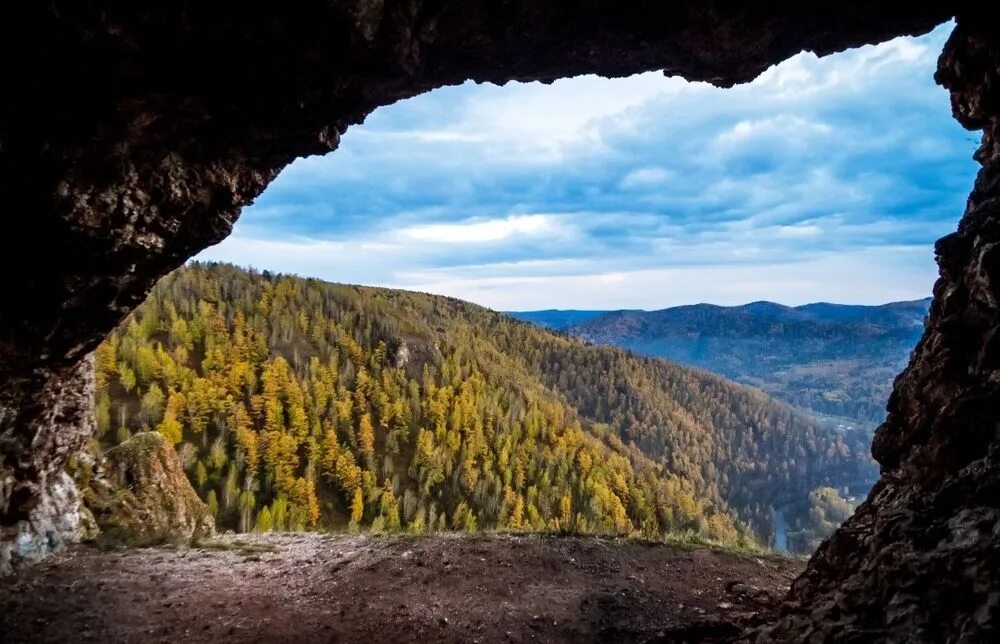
824, 179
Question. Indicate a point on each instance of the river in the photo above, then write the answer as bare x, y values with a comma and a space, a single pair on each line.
780, 530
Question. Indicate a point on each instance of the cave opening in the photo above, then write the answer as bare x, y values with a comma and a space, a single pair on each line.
166, 150
794, 188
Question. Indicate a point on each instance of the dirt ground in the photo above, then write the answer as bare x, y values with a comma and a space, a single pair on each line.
337, 588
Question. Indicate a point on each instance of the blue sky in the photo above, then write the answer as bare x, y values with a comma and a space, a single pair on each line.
824, 179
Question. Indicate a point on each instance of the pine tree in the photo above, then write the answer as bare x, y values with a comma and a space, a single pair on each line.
357, 507
263, 523
366, 436
247, 503
213, 503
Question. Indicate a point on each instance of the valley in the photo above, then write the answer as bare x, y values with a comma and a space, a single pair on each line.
834, 361
300, 405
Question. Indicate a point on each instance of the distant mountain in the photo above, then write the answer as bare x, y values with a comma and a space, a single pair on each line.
832, 359
297, 404
556, 319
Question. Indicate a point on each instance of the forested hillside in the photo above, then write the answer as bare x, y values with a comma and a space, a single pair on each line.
298, 404
828, 358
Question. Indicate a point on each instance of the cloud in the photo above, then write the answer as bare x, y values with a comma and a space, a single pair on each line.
798, 231
481, 232
592, 192
645, 177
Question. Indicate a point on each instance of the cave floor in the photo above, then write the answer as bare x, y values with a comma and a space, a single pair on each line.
319, 588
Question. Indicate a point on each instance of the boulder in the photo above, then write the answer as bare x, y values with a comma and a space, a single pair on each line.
142, 496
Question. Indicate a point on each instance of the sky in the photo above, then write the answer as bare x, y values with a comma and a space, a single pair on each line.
825, 179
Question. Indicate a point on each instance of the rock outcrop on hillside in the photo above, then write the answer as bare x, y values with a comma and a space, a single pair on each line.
142, 496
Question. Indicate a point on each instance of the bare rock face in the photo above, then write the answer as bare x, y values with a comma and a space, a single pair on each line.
38, 500
142, 496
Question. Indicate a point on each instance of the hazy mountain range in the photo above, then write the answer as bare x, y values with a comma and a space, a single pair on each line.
832, 359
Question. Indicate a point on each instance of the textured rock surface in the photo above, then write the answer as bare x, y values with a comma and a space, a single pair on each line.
39, 501
920, 559
131, 134
143, 497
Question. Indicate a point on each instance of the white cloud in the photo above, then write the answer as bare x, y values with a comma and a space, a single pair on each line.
782, 126
560, 113
645, 177
478, 232
798, 231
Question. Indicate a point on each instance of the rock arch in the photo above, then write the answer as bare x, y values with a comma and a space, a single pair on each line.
132, 134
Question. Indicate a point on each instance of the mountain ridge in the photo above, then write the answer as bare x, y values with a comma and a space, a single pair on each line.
827, 358
560, 319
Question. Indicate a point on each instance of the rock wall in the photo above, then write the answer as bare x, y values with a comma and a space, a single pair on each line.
40, 503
